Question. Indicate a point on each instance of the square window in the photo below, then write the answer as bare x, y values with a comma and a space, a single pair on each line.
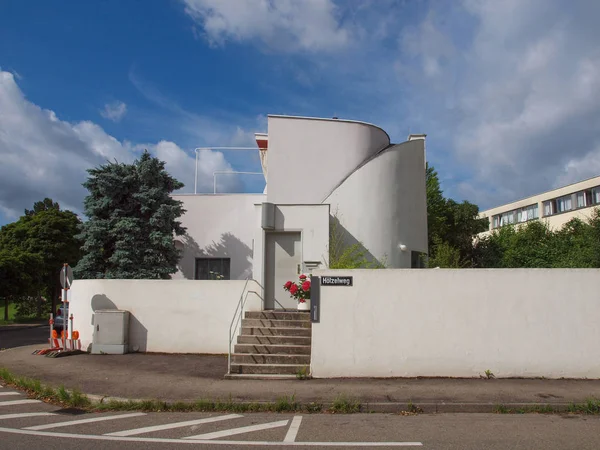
213, 269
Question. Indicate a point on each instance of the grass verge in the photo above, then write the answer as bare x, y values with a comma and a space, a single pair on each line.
345, 405
75, 399
591, 406
341, 405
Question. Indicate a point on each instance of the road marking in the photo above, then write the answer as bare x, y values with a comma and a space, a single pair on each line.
81, 421
91, 437
19, 402
241, 430
293, 431
170, 426
19, 415
9, 393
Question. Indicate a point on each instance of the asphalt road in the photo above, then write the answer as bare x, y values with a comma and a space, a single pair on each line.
18, 337
32, 424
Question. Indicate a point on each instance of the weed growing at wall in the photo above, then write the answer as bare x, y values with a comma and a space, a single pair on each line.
346, 254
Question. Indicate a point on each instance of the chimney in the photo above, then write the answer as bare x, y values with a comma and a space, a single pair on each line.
414, 137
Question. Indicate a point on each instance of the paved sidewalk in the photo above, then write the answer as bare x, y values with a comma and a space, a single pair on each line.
194, 377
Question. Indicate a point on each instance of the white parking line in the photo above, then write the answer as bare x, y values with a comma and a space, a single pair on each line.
81, 421
293, 431
19, 402
170, 426
19, 415
241, 430
91, 437
8, 393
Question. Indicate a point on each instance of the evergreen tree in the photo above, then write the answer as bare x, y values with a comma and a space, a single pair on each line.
132, 219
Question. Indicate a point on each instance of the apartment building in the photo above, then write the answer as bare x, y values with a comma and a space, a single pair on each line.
556, 207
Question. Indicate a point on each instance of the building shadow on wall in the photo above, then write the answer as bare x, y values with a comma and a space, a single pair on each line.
229, 246
138, 333
345, 248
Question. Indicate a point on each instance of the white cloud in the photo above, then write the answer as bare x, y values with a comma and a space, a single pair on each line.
43, 156
114, 111
520, 85
286, 25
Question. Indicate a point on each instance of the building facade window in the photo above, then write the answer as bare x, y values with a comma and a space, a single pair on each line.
581, 203
527, 213
564, 204
213, 269
596, 195
495, 221
418, 260
516, 216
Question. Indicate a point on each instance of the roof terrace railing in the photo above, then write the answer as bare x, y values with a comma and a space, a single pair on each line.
214, 178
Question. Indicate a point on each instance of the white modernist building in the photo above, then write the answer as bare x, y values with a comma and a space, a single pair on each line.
317, 171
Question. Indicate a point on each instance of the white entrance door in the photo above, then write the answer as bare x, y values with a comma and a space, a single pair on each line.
282, 262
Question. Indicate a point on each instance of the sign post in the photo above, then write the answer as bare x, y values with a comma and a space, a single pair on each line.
66, 280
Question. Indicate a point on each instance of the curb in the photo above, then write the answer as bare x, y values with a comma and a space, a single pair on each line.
389, 407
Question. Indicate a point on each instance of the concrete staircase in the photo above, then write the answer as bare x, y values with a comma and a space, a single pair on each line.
272, 344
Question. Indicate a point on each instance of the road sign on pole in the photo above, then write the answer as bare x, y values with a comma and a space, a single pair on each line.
66, 277
66, 280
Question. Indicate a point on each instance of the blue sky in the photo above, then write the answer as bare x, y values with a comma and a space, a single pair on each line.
507, 92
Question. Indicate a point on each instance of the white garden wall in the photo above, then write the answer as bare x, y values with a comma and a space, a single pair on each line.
170, 316
459, 323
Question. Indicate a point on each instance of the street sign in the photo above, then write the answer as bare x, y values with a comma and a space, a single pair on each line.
336, 281
66, 277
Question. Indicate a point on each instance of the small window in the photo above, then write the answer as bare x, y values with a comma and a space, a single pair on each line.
564, 203
213, 268
417, 260
507, 218
533, 212
596, 195
495, 221
548, 211
589, 200
581, 199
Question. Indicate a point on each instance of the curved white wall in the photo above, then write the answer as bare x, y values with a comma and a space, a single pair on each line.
383, 204
309, 157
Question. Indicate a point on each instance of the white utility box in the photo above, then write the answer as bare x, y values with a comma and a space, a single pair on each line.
111, 332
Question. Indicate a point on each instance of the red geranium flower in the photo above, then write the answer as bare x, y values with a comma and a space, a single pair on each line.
287, 285
303, 277
306, 285
293, 289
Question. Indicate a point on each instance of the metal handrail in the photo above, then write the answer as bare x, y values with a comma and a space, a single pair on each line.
240, 307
